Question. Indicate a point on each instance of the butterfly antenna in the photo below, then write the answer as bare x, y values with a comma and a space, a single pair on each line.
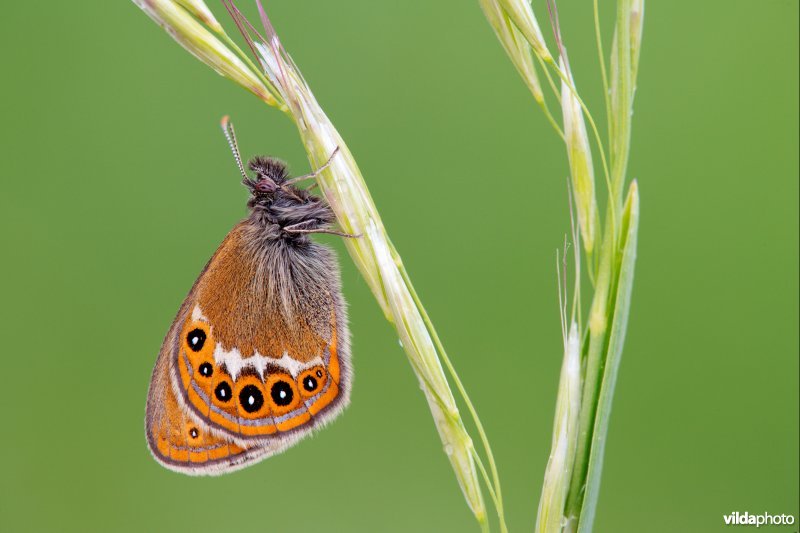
230, 134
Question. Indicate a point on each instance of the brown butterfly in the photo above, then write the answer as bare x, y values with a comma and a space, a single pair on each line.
258, 355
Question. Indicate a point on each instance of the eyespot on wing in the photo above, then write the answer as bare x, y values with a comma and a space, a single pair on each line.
184, 444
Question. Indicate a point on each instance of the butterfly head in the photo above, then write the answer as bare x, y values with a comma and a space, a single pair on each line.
271, 185
271, 174
274, 199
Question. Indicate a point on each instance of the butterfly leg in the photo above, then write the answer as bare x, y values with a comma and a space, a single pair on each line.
309, 226
316, 172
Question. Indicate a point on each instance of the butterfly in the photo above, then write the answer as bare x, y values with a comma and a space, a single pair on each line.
258, 355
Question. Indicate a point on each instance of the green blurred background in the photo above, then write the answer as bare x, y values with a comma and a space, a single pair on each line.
117, 186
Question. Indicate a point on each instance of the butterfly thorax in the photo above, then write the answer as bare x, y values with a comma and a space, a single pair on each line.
285, 211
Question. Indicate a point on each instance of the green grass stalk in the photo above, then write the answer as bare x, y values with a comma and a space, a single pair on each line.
572, 479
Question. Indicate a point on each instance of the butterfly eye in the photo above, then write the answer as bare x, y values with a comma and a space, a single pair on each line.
196, 339
251, 399
281, 393
223, 392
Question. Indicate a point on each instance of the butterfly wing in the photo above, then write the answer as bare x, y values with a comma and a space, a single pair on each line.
186, 443
258, 354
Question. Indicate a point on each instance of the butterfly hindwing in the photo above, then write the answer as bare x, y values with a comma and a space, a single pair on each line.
257, 356
186, 443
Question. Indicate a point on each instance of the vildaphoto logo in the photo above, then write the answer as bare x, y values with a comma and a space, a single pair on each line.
746, 519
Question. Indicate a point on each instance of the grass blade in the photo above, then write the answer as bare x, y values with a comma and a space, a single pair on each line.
621, 310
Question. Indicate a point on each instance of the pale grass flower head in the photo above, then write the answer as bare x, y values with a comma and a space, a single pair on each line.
580, 160
201, 43
199, 9
550, 517
521, 13
422, 354
515, 45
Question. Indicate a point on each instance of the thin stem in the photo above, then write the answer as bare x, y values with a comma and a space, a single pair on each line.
485, 475
552, 120
601, 57
462, 391
547, 75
